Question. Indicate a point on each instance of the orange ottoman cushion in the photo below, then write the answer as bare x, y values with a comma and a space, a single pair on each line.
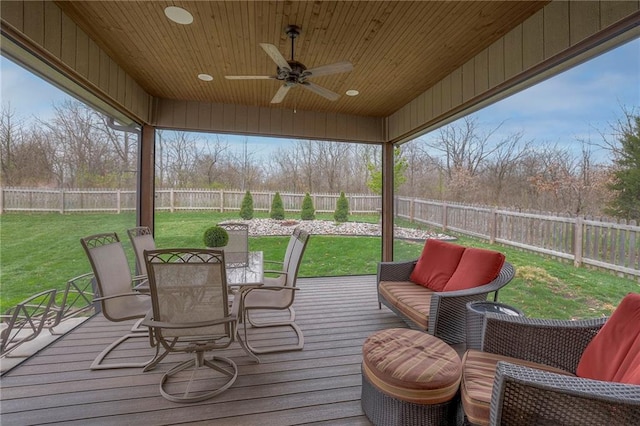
412, 366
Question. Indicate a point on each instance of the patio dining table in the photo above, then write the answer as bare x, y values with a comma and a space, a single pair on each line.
249, 273
243, 276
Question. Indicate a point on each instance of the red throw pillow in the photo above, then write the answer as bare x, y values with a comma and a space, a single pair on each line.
436, 264
614, 353
476, 267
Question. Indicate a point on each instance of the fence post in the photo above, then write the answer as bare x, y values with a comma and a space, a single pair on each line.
118, 201
493, 226
221, 201
1, 200
412, 206
61, 201
444, 216
171, 200
577, 242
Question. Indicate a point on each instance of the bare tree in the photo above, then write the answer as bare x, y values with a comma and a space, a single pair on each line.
464, 147
422, 173
181, 153
333, 164
284, 171
124, 144
11, 135
306, 155
502, 165
86, 157
213, 156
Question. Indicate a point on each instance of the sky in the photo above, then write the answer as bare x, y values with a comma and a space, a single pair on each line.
575, 105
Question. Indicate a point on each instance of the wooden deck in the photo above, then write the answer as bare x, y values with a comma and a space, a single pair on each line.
320, 384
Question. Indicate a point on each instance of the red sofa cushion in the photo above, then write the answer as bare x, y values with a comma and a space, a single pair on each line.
614, 353
436, 264
476, 267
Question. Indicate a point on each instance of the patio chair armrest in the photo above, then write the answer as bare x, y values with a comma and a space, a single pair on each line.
273, 287
235, 307
140, 283
395, 271
273, 271
543, 397
244, 294
113, 296
538, 340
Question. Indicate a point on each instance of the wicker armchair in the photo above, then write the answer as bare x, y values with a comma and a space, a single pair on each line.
447, 310
528, 395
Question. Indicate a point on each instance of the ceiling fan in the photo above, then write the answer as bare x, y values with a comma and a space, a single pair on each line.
293, 73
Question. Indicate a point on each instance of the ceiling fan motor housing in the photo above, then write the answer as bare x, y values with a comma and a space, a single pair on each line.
296, 73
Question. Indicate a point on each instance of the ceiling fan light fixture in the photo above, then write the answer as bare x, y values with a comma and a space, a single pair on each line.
205, 77
178, 15
352, 92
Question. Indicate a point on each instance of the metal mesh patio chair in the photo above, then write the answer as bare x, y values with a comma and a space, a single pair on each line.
277, 294
237, 249
191, 314
141, 239
118, 300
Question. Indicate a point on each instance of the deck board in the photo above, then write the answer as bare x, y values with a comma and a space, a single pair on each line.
319, 385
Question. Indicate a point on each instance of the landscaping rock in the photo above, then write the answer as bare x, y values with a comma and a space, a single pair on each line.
258, 227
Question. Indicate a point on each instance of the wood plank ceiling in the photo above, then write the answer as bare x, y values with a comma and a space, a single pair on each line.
398, 48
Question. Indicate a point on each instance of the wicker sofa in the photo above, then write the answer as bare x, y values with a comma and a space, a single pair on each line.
439, 310
548, 372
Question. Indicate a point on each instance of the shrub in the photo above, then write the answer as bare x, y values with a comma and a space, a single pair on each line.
307, 212
277, 208
342, 209
215, 236
246, 209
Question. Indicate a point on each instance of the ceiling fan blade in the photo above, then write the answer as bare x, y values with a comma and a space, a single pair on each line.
326, 93
336, 68
280, 94
275, 54
249, 77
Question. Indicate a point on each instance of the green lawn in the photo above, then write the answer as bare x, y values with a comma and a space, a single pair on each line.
40, 251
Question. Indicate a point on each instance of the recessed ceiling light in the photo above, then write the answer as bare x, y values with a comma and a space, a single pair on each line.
205, 77
352, 92
178, 15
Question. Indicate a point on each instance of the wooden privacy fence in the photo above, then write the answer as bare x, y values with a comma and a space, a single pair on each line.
605, 244
116, 201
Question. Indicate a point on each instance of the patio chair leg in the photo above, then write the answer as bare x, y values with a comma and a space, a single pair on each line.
98, 362
273, 349
246, 347
137, 331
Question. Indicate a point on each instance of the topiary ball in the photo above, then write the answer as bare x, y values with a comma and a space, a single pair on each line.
215, 236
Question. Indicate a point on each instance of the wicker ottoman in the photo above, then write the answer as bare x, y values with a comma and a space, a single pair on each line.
410, 378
